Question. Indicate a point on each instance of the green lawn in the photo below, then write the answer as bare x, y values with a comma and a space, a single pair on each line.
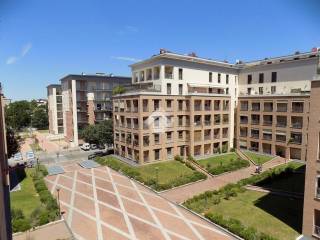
223, 163
27, 198
258, 158
167, 171
170, 173
277, 216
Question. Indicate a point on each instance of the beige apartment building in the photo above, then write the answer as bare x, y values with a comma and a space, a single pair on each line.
55, 114
5, 218
86, 99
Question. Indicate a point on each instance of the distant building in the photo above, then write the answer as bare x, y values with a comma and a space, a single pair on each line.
41, 102
5, 218
55, 113
86, 99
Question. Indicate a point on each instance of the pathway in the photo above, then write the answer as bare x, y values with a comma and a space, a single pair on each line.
183, 193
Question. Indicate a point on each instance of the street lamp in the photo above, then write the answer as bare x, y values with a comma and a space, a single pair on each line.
58, 192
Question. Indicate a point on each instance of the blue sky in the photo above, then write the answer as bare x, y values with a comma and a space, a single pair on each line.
42, 40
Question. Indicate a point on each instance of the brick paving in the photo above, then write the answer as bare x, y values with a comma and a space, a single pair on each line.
181, 194
103, 204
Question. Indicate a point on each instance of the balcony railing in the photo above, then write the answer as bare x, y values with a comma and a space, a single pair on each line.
255, 122
243, 134
267, 136
255, 109
244, 107
207, 107
267, 123
197, 107
297, 109
207, 122
297, 125
145, 108
168, 75
281, 109
281, 124
255, 135
318, 193
244, 121
281, 138
197, 123
207, 137
317, 230
268, 109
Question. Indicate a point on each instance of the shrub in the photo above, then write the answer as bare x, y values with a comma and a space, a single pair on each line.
20, 225
178, 158
231, 166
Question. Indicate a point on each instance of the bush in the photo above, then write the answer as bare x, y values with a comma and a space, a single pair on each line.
233, 165
20, 225
178, 158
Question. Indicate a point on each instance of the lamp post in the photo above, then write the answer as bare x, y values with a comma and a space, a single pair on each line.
58, 192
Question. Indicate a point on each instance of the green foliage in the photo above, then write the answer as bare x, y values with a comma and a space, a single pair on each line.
231, 166
101, 133
135, 173
13, 145
236, 227
39, 118
118, 90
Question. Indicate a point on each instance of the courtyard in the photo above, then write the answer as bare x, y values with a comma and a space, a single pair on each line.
100, 203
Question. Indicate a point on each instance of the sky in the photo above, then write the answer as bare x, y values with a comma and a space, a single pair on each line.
44, 40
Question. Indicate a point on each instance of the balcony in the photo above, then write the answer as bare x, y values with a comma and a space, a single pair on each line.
255, 135
297, 107
207, 137
267, 123
225, 119
296, 138
197, 105
197, 123
244, 106
268, 107
267, 136
226, 106
281, 138
243, 132
207, 122
207, 107
217, 105
243, 120
255, 107
282, 107
217, 120
317, 230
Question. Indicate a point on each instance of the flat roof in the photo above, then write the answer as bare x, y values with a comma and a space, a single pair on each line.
86, 77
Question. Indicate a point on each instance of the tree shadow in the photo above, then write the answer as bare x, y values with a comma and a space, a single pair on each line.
286, 209
16, 175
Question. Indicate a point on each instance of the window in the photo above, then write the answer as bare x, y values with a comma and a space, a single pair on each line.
210, 76
169, 88
261, 77
219, 77
227, 90
169, 136
273, 89
227, 79
249, 79
169, 104
156, 122
249, 91
156, 138
273, 76
180, 73
157, 154
260, 90
180, 89
169, 152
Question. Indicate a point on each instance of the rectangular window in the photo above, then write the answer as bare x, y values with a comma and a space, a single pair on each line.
169, 136
210, 76
169, 153
156, 138
260, 90
180, 89
227, 79
157, 154
180, 73
273, 89
261, 77
249, 79
169, 88
227, 90
219, 77
249, 91
273, 76
169, 104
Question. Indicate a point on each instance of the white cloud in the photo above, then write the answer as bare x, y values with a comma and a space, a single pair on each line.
11, 60
129, 59
25, 49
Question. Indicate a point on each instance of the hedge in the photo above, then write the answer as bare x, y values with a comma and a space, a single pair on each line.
233, 165
46, 213
134, 173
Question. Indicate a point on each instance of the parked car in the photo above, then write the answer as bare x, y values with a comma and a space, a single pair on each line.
85, 147
93, 146
97, 154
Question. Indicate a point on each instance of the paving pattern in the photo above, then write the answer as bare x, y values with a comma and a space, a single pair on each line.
101, 204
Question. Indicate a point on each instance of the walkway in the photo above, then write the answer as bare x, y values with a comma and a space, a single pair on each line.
181, 194
102, 204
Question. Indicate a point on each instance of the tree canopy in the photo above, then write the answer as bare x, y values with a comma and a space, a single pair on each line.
118, 90
101, 133
39, 118
12, 142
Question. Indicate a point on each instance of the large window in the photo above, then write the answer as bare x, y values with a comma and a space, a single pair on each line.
219, 77
180, 73
249, 78
273, 76
210, 76
261, 77
227, 79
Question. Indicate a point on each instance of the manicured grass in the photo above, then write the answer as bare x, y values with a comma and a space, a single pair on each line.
159, 176
274, 215
27, 198
167, 171
294, 182
223, 163
258, 158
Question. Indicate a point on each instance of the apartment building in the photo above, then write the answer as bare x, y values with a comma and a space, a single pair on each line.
54, 93
5, 218
177, 105
311, 210
86, 99
274, 99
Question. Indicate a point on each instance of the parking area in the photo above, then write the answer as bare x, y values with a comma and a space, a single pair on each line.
102, 204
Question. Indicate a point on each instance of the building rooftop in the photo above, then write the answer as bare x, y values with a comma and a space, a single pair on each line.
97, 76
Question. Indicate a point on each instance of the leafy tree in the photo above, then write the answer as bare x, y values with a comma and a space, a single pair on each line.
118, 90
12, 142
18, 114
39, 118
101, 133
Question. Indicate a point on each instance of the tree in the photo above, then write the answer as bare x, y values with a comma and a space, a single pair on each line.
18, 114
118, 90
12, 142
101, 133
39, 118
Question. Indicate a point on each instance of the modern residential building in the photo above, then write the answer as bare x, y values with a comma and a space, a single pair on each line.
178, 105
5, 218
311, 210
86, 99
174, 106
54, 93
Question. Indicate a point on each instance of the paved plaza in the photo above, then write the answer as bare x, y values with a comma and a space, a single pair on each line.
100, 203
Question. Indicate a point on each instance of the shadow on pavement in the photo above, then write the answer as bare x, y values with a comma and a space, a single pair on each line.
17, 174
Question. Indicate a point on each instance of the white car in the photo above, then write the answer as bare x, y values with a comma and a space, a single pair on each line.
85, 147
